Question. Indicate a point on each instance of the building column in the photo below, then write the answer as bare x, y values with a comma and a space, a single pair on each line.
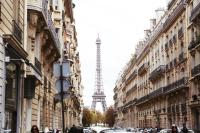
28, 115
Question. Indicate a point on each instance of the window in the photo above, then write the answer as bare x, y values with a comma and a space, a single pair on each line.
56, 3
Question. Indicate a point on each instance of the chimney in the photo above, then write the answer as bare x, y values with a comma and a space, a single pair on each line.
152, 24
159, 13
147, 33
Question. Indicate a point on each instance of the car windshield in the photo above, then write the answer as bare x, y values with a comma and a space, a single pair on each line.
114, 131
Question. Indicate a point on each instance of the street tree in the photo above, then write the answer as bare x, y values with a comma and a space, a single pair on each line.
109, 116
87, 117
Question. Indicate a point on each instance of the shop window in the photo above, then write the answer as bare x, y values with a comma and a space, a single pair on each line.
11, 97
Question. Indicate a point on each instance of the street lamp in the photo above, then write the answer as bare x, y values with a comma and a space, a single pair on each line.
62, 73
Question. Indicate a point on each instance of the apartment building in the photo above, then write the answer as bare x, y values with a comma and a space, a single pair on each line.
167, 71
35, 34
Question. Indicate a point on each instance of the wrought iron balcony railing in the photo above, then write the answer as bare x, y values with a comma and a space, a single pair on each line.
183, 108
143, 68
174, 15
131, 90
37, 64
194, 43
158, 72
131, 77
181, 83
182, 57
17, 31
195, 12
195, 71
156, 93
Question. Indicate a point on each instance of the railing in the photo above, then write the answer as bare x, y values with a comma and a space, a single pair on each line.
194, 43
131, 90
132, 76
53, 31
195, 12
180, 33
17, 31
181, 83
37, 64
182, 57
156, 93
174, 15
143, 68
157, 73
195, 71
183, 108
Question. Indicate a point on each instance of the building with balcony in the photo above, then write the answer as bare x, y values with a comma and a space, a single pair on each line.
34, 34
167, 71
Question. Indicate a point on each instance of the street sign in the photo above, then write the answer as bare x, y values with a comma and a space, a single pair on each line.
66, 85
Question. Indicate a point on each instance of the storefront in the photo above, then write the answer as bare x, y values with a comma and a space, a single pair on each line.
15, 58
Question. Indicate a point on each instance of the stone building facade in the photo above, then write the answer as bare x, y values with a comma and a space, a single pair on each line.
34, 34
166, 68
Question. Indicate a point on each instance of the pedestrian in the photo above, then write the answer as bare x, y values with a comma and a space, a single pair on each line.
34, 129
184, 130
72, 129
174, 128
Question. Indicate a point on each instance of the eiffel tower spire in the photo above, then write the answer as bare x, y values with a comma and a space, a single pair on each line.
98, 95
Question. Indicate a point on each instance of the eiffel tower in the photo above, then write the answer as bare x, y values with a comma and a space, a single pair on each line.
98, 95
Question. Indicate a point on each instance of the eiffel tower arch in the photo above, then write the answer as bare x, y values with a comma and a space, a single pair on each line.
98, 95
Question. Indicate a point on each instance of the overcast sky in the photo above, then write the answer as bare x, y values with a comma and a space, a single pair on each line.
120, 24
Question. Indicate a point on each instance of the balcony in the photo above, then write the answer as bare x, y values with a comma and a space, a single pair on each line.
195, 71
182, 57
143, 69
131, 77
195, 13
157, 73
41, 6
175, 86
129, 92
156, 93
194, 44
174, 15
38, 65
183, 108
